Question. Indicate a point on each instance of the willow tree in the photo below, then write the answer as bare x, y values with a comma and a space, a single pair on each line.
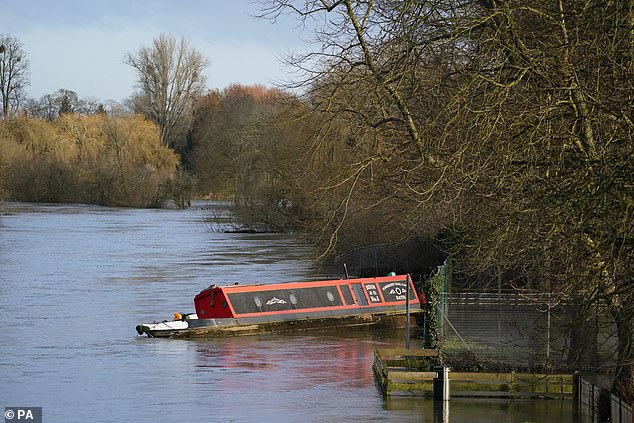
171, 77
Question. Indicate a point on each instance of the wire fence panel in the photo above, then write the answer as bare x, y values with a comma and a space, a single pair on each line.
510, 330
621, 411
589, 396
599, 405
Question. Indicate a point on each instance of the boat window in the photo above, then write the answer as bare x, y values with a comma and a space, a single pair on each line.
280, 299
347, 295
359, 294
224, 304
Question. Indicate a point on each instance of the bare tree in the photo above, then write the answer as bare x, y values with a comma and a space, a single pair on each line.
170, 76
365, 81
14, 73
513, 118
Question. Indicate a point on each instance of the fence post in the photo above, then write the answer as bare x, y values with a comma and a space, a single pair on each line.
605, 405
620, 410
593, 405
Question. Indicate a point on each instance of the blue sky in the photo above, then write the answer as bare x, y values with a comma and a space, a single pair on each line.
80, 45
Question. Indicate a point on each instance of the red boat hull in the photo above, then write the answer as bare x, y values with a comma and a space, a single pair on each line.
296, 307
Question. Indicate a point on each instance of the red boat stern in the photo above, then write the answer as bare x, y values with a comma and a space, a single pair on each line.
211, 303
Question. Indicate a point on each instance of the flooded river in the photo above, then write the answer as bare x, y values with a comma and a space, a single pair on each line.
75, 280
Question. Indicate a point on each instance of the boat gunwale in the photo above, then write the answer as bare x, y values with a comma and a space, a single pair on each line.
238, 288
384, 306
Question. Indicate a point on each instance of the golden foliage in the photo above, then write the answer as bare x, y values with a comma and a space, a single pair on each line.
92, 159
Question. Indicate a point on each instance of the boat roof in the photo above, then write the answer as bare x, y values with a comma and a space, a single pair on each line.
235, 288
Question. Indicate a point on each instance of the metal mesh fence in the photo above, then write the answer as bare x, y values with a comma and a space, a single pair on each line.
600, 405
507, 330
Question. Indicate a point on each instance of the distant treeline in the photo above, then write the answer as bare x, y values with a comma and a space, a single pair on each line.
244, 145
115, 161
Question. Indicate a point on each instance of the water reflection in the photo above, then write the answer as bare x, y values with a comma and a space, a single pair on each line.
489, 410
309, 378
289, 362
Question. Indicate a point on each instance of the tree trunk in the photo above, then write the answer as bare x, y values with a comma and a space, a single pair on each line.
584, 329
623, 384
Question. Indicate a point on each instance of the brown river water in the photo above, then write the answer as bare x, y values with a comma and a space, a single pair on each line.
75, 280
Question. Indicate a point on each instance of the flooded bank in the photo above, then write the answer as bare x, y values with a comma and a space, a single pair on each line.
75, 280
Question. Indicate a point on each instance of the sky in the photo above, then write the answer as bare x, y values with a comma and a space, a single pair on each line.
80, 45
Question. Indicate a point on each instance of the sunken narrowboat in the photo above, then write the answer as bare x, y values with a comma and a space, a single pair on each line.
294, 307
